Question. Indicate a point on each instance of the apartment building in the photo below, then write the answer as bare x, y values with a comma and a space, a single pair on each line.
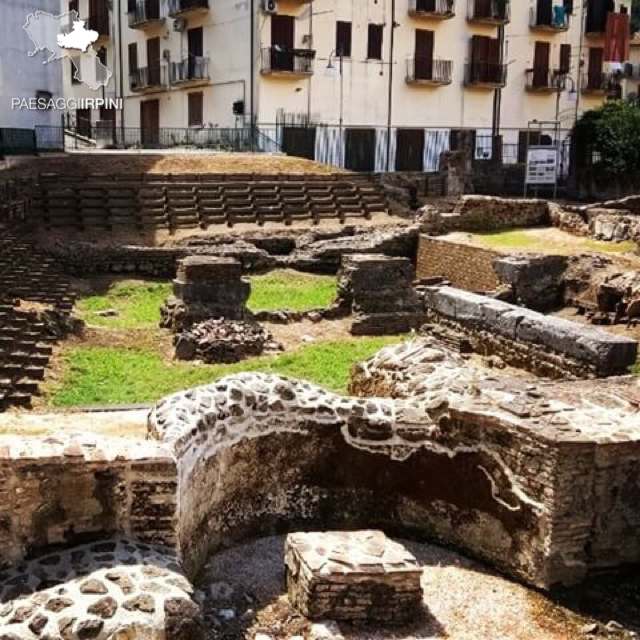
399, 75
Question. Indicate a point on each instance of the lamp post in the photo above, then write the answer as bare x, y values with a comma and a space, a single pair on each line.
330, 68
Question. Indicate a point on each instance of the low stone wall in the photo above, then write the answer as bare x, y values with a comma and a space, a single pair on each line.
63, 491
527, 339
463, 265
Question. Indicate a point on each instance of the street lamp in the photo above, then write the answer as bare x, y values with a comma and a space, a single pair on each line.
330, 68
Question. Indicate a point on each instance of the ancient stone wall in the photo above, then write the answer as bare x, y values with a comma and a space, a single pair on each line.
463, 265
64, 491
551, 343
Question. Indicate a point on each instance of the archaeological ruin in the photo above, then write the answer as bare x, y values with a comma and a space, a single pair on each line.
497, 413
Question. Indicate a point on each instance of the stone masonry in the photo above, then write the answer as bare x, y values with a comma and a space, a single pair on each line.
359, 576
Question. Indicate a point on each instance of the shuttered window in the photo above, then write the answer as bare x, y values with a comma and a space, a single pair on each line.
565, 58
343, 39
374, 46
133, 57
195, 104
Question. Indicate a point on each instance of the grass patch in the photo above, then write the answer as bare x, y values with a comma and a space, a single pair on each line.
137, 303
535, 240
292, 290
110, 376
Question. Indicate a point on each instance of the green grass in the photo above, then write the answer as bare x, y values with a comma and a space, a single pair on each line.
110, 376
137, 303
291, 290
533, 240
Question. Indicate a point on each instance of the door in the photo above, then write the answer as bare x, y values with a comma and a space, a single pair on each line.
544, 12
83, 122
195, 43
150, 123
426, 5
541, 64
424, 54
299, 142
410, 150
282, 41
360, 149
596, 58
153, 62
485, 60
482, 8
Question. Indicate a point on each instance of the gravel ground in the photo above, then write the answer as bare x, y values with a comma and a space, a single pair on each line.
463, 601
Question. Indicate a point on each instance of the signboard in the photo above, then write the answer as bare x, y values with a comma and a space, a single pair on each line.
542, 163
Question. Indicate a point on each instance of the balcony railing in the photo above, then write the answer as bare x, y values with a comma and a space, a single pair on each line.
428, 71
485, 74
148, 78
99, 22
178, 8
190, 71
545, 80
607, 84
437, 9
556, 20
145, 13
493, 12
281, 61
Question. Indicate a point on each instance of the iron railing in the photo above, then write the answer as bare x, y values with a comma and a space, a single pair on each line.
14, 141
545, 80
191, 69
428, 71
178, 7
601, 83
493, 11
434, 8
277, 59
557, 19
485, 74
145, 78
144, 12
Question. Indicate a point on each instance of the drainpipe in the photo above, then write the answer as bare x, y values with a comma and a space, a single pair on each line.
252, 73
390, 96
120, 68
497, 95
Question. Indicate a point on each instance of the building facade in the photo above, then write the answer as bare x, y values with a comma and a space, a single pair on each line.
343, 80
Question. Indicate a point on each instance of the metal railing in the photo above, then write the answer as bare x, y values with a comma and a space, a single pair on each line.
428, 71
494, 11
177, 7
545, 80
485, 74
193, 68
143, 12
557, 20
276, 59
601, 83
437, 8
144, 78
14, 141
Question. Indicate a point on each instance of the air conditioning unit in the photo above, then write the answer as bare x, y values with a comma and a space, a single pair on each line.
179, 24
270, 6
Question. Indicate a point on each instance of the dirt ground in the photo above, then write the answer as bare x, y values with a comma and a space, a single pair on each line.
169, 162
463, 600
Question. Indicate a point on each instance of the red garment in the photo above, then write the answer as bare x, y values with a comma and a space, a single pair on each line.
617, 37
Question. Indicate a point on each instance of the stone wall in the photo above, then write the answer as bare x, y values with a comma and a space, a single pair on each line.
543, 344
463, 265
65, 491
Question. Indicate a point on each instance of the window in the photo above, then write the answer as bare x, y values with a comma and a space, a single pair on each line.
343, 39
195, 109
44, 95
374, 47
565, 58
133, 57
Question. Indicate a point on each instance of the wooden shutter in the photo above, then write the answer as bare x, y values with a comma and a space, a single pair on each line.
565, 58
544, 12
594, 75
282, 41
196, 111
541, 64
343, 39
153, 61
374, 45
133, 57
150, 122
424, 54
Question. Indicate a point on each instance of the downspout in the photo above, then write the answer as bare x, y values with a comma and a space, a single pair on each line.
390, 97
311, 76
252, 74
120, 69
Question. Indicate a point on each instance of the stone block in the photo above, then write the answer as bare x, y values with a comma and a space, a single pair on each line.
357, 576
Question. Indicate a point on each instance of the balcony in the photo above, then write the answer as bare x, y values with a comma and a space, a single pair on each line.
485, 75
100, 22
148, 79
278, 61
554, 22
490, 12
179, 8
545, 81
145, 14
432, 9
190, 72
601, 84
426, 71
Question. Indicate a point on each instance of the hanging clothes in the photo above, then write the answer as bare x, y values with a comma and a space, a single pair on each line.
617, 37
